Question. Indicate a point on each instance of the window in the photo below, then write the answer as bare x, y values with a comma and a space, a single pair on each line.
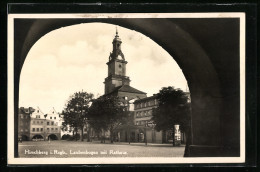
37, 111
137, 122
26, 130
48, 129
41, 129
22, 116
51, 128
48, 123
54, 117
52, 123
21, 130
33, 129
41, 122
38, 116
57, 129
50, 117
37, 122
37, 129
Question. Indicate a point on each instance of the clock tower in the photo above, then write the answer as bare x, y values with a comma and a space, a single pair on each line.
116, 67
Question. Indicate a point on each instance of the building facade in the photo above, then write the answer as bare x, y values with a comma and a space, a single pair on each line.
24, 119
143, 109
53, 125
33, 124
37, 125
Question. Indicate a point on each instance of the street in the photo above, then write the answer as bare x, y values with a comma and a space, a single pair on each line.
69, 149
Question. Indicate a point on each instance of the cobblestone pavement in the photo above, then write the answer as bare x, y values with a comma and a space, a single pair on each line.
64, 149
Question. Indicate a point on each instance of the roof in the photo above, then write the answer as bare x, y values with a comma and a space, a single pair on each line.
52, 111
26, 110
127, 88
146, 98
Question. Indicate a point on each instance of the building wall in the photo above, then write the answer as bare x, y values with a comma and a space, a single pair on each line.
143, 110
117, 67
24, 123
114, 81
142, 116
45, 124
131, 95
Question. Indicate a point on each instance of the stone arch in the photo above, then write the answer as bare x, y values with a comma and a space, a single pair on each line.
192, 43
24, 137
53, 137
37, 136
65, 137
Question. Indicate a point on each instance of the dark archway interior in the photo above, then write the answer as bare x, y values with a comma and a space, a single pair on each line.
25, 138
65, 137
52, 137
37, 137
207, 50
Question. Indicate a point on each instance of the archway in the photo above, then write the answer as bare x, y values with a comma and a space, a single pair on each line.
25, 138
52, 137
37, 137
66, 137
211, 83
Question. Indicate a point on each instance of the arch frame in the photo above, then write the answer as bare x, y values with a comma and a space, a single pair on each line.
206, 94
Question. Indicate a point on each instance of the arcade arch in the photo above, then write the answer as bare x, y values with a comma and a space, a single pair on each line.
208, 83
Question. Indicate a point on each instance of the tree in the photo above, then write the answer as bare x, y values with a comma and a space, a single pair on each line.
76, 110
107, 113
173, 109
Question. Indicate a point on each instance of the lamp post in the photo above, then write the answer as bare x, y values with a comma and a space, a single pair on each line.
44, 127
126, 104
88, 131
145, 135
77, 118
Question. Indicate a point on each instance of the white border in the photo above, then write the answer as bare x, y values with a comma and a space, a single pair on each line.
146, 160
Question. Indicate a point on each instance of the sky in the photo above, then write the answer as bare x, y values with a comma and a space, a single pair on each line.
73, 58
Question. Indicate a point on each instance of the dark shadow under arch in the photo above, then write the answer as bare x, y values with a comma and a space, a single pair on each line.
52, 137
24, 138
37, 136
201, 47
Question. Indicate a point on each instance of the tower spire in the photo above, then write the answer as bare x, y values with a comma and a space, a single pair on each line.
116, 67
